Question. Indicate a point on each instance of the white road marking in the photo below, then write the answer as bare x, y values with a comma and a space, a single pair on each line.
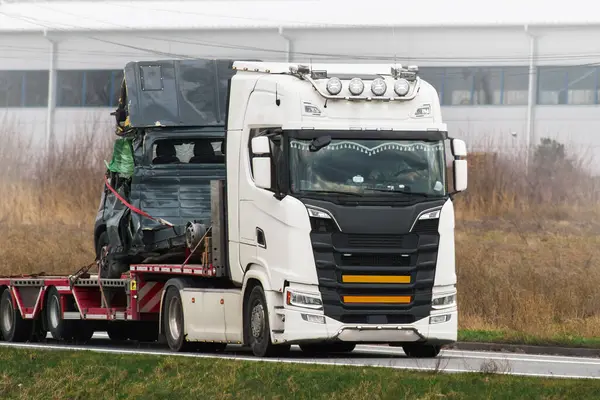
285, 361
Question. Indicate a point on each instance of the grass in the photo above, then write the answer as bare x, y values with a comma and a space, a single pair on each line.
526, 238
516, 337
28, 374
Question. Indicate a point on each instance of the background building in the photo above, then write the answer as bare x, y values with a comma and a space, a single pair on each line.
507, 72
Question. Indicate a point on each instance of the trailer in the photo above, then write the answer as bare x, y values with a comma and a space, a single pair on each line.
265, 204
72, 308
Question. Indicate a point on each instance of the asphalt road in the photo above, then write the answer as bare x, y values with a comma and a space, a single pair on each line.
450, 361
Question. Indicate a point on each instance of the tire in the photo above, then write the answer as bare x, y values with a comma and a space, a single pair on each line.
326, 348
173, 322
421, 350
13, 327
109, 267
59, 328
257, 327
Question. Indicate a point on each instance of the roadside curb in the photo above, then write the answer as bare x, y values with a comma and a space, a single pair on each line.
526, 349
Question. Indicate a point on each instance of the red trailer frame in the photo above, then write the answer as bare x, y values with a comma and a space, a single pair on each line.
143, 294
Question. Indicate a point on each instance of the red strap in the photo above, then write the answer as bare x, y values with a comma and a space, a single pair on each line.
131, 207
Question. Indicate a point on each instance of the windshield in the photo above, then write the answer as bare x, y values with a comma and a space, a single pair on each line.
369, 167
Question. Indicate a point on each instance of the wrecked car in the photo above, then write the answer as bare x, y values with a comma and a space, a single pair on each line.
170, 127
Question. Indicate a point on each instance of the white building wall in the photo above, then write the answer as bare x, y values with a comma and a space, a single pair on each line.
504, 125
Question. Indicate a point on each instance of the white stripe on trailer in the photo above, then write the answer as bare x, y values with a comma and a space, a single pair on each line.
71, 315
63, 288
96, 316
37, 303
14, 294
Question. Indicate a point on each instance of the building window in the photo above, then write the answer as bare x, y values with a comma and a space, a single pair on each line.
11, 88
487, 85
97, 91
458, 86
70, 85
36, 89
582, 85
515, 86
567, 85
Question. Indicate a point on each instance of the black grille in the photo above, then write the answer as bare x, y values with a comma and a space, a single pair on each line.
380, 241
427, 226
375, 260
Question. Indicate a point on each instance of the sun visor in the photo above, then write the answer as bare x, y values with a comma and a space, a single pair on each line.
177, 92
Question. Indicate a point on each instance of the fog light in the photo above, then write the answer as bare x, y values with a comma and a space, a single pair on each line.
317, 319
439, 319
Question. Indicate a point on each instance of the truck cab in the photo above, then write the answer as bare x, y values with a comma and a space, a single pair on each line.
339, 205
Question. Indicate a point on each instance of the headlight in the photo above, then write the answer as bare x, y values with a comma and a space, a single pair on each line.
444, 301
304, 300
378, 87
401, 87
356, 86
313, 212
334, 86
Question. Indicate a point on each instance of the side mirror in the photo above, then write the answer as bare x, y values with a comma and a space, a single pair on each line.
460, 175
260, 146
458, 147
261, 162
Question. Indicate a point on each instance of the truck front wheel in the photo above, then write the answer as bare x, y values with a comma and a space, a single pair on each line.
257, 326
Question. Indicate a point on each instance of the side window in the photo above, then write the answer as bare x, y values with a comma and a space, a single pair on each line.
188, 151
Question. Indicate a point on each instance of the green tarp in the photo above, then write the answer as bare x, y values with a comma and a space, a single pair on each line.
122, 159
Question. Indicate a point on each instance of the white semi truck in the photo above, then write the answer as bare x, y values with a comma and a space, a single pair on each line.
332, 224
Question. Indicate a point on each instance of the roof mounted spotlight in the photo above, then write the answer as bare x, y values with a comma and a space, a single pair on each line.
378, 87
334, 86
401, 87
356, 86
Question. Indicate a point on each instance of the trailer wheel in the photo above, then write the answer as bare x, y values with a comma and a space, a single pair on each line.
13, 327
421, 350
257, 326
173, 320
59, 328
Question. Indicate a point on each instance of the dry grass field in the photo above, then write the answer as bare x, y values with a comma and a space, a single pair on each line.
527, 238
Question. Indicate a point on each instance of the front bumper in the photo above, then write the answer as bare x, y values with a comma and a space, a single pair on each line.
304, 326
